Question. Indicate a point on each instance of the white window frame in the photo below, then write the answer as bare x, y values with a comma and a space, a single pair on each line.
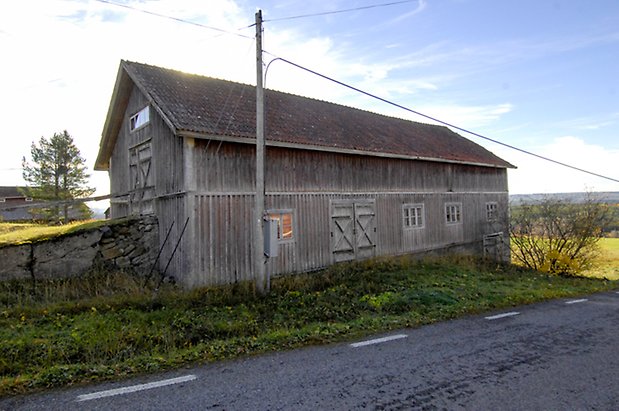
453, 213
29, 199
2, 200
492, 211
139, 119
279, 216
413, 216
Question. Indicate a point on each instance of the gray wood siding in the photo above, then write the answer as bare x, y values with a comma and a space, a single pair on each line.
223, 236
167, 154
227, 167
172, 215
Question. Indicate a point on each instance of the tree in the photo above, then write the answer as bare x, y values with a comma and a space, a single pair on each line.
557, 236
57, 173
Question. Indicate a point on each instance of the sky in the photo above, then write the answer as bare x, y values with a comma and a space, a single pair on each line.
539, 75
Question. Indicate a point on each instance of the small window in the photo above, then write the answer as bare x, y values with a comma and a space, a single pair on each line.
285, 230
492, 210
412, 215
29, 199
453, 213
139, 119
2, 200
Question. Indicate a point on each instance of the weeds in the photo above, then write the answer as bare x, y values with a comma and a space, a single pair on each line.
107, 326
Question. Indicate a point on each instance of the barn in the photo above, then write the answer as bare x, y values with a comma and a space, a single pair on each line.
341, 183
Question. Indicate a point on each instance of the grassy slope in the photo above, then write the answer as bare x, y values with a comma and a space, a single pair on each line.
48, 341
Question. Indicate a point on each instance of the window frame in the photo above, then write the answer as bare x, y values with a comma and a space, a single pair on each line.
453, 213
418, 216
137, 121
492, 211
278, 215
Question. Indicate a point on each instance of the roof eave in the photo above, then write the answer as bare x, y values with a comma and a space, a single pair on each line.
113, 120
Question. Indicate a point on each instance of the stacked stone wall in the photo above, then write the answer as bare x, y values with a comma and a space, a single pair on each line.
128, 244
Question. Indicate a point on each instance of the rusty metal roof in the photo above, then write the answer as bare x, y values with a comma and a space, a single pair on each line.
212, 107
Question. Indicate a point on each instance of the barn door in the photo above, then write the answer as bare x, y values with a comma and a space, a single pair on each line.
342, 232
353, 230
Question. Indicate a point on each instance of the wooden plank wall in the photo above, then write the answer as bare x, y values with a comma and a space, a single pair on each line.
167, 157
230, 167
219, 246
224, 231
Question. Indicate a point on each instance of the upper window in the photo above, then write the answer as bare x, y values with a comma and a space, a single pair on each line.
492, 210
285, 230
412, 215
139, 119
29, 199
2, 200
453, 213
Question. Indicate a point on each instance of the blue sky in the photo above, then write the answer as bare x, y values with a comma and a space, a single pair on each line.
539, 75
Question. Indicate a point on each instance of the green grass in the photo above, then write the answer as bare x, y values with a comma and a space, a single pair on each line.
50, 338
19, 233
608, 263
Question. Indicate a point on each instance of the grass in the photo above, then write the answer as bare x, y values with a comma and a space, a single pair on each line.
111, 326
19, 233
608, 264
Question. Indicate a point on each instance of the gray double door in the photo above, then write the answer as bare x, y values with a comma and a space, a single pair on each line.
353, 229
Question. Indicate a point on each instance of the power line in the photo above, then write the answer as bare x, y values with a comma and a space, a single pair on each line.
440, 121
165, 16
372, 6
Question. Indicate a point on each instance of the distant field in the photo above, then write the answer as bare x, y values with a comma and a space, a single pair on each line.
609, 260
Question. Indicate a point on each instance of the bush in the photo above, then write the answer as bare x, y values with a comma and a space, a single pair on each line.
558, 237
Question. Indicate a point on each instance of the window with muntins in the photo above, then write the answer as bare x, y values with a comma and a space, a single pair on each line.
285, 228
139, 119
412, 215
492, 210
453, 213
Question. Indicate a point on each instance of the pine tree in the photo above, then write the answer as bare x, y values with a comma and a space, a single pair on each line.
57, 173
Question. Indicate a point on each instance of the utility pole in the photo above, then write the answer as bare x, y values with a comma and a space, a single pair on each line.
260, 268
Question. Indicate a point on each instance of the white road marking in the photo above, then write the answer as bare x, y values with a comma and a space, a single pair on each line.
135, 388
378, 340
496, 317
582, 300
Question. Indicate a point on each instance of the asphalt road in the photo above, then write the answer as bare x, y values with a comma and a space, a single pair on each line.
553, 356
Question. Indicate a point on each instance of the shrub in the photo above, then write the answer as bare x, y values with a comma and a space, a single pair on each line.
556, 236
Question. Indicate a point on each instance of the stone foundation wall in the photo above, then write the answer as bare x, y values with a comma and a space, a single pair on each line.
128, 244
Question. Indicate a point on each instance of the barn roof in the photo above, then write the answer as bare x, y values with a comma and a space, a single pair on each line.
11, 192
199, 106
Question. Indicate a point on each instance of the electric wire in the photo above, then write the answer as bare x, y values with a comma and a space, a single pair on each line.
179, 20
325, 13
276, 58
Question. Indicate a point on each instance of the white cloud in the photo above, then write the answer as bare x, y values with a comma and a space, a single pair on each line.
469, 117
538, 176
